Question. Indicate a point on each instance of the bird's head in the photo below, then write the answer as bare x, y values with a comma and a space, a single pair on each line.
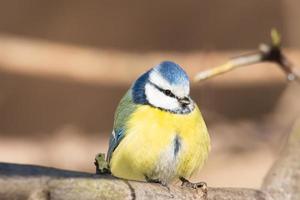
166, 87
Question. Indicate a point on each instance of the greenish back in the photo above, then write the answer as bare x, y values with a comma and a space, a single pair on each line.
124, 110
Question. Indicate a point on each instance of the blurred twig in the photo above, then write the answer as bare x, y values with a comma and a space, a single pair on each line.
266, 53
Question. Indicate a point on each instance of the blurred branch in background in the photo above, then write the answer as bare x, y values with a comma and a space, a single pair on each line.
266, 53
283, 180
41, 183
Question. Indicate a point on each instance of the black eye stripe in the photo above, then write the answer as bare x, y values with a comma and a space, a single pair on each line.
166, 92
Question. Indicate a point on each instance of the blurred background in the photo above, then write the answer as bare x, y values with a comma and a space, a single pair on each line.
64, 65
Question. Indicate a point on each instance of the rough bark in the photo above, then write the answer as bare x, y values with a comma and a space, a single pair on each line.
44, 183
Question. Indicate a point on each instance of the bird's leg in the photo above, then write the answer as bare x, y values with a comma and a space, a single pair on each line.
187, 183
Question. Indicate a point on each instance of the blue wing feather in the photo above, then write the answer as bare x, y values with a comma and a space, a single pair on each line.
114, 141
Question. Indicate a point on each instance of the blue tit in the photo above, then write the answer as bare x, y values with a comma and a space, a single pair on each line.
159, 134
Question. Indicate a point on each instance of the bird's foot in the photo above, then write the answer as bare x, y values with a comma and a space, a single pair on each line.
187, 183
195, 186
101, 164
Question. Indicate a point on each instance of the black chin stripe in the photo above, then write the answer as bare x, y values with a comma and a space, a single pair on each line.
179, 111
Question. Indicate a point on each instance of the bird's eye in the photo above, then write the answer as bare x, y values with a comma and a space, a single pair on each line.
169, 93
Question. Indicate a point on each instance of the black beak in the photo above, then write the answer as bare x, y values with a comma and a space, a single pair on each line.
185, 101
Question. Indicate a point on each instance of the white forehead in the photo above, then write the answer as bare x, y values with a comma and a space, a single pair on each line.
177, 89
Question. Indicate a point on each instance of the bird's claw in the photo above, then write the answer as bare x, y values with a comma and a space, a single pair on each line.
195, 186
187, 183
201, 185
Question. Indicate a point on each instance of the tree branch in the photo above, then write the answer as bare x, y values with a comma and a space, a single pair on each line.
44, 183
266, 53
283, 180
36, 182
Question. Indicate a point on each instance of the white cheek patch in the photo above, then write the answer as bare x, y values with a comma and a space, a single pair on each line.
159, 99
157, 79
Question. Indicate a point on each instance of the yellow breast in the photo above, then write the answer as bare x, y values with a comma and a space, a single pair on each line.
160, 144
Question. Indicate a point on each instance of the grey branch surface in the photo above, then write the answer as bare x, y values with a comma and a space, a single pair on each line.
44, 183
283, 180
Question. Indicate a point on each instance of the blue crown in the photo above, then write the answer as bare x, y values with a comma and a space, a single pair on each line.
173, 73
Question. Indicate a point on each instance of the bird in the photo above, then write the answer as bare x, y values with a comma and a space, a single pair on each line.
159, 134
